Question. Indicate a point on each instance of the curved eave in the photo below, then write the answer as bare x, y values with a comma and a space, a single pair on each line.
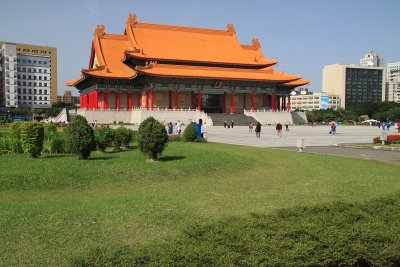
269, 63
75, 82
101, 75
296, 83
217, 78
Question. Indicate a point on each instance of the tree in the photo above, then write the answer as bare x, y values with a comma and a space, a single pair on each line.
80, 137
152, 137
190, 133
104, 136
32, 136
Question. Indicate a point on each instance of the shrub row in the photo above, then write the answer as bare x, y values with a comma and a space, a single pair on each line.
391, 139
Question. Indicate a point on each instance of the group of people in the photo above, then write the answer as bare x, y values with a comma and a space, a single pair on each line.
170, 127
229, 125
278, 128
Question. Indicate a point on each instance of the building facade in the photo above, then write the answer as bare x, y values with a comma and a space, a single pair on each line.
372, 59
153, 66
68, 98
314, 101
354, 84
393, 82
29, 76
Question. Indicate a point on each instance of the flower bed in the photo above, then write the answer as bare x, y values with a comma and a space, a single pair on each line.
391, 139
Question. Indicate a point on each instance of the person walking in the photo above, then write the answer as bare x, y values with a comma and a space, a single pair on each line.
250, 127
278, 129
179, 127
258, 130
232, 123
287, 126
225, 124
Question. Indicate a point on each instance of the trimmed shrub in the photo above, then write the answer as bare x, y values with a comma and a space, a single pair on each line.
104, 137
152, 137
390, 140
118, 139
126, 135
10, 144
15, 128
80, 137
200, 140
32, 136
48, 128
190, 133
54, 142
175, 138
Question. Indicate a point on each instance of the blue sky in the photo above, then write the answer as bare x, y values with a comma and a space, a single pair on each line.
303, 35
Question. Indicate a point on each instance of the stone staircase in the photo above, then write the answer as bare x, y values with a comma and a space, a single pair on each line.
238, 119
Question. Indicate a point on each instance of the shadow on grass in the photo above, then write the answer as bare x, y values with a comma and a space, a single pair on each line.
336, 234
171, 158
101, 158
51, 156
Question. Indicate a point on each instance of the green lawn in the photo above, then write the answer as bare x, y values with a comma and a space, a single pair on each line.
58, 210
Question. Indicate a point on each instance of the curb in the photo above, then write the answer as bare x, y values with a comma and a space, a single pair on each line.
371, 147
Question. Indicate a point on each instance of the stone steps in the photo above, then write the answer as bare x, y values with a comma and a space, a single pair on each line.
238, 119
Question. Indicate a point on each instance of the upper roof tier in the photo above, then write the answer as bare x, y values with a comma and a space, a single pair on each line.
175, 43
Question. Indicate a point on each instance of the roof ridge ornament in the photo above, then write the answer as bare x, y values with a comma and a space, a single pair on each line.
131, 19
255, 43
99, 30
230, 29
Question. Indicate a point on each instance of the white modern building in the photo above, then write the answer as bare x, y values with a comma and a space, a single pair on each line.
393, 82
314, 101
28, 77
372, 59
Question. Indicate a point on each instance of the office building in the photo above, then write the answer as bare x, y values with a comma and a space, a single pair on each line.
314, 101
372, 59
29, 75
393, 82
354, 84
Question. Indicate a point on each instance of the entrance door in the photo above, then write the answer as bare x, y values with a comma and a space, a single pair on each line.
211, 103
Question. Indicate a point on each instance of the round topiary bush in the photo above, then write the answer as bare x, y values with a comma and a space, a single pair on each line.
80, 137
104, 136
190, 133
32, 136
152, 137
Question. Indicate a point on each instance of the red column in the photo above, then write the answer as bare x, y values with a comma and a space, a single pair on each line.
284, 103
176, 99
273, 102
244, 100
139, 99
129, 100
279, 103
90, 97
232, 108
151, 98
288, 103
252, 101
198, 100
146, 100
87, 100
96, 99
224, 103
105, 100
192, 99
117, 100
170, 100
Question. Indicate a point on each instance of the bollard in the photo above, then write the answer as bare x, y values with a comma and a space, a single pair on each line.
383, 137
300, 144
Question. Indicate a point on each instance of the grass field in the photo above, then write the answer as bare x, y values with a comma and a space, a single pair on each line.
211, 199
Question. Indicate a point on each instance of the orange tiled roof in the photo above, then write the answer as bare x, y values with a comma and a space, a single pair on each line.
175, 43
296, 83
265, 74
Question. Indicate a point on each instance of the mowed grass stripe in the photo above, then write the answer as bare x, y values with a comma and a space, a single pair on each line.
57, 207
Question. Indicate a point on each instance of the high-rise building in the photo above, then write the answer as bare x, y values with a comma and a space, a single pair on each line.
372, 59
354, 84
314, 101
68, 98
29, 75
393, 82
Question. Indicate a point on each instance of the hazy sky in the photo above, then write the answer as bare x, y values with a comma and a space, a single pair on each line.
303, 35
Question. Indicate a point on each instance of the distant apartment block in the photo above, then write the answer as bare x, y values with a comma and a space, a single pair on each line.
28, 77
68, 98
314, 101
372, 59
354, 84
393, 82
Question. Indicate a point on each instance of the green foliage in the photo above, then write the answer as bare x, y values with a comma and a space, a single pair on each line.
152, 137
124, 136
15, 128
200, 140
104, 136
338, 234
190, 133
175, 138
54, 142
10, 144
32, 136
49, 128
80, 137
